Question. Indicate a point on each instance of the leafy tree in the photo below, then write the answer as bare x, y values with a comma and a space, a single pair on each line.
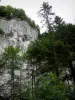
19, 13
54, 51
2, 11
12, 61
42, 54
9, 11
46, 13
66, 33
57, 22
51, 88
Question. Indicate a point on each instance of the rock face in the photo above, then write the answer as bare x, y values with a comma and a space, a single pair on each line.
17, 33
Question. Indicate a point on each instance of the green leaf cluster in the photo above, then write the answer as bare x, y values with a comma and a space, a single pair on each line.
51, 88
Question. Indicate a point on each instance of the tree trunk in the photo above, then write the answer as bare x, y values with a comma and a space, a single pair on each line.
12, 83
32, 84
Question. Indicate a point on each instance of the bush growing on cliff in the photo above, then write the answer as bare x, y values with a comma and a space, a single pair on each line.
9, 12
2, 11
19, 13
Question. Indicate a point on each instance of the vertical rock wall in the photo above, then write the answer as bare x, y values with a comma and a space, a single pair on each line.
17, 33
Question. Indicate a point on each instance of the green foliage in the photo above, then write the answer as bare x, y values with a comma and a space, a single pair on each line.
10, 12
11, 57
19, 13
72, 94
53, 52
46, 13
45, 52
26, 94
11, 60
2, 11
40, 52
51, 88
55, 47
58, 21
66, 33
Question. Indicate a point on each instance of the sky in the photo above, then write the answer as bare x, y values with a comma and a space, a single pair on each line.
63, 8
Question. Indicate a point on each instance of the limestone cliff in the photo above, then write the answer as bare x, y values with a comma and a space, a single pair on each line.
17, 33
